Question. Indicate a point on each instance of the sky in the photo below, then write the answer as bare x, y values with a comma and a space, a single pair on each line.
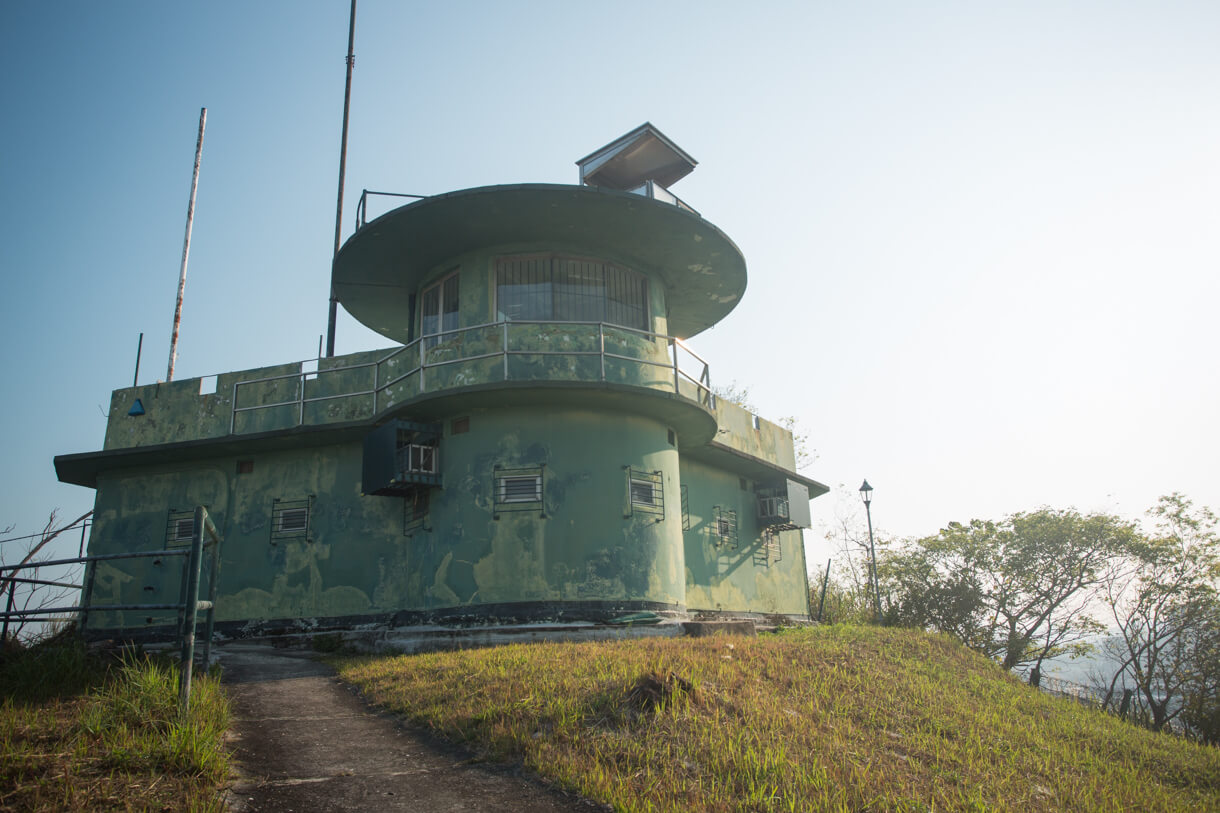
982, 238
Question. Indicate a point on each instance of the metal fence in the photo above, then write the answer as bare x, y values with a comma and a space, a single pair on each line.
685, 373
204, 536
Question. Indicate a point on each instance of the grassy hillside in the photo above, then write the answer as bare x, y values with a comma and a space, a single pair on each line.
88, 732
837, 718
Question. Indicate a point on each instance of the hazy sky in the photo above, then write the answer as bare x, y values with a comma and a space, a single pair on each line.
983, 239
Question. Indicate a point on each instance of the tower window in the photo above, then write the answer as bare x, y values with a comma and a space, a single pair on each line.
290, 519
645, 493
179, 528
724, 526
519, 489
439, 308
570, 289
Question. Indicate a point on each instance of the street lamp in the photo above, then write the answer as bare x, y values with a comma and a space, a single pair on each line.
866, 494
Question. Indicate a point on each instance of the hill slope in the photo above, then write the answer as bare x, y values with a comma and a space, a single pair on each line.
836, 718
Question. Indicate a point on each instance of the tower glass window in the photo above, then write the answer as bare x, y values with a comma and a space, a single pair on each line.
439, 307
570, 289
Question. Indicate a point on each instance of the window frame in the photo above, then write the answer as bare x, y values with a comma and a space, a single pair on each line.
506, 501
654, 482
555, 273
282, 510
431, 339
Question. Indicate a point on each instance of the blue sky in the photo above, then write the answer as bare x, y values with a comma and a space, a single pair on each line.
982, 239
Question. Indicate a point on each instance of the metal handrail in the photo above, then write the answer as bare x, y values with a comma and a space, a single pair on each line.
421, 346
203, 535
362, 206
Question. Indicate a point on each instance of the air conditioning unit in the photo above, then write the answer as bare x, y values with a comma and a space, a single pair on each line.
784, 508
401, 457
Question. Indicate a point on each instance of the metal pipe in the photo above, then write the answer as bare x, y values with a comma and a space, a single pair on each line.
7, 613
192, 607
210, 624
347, 102
186, 246
135, 380
825, 584
43, 582
83, 608
98, 557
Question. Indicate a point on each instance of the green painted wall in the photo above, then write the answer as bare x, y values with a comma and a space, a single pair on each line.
586, 543
747, 576
358, 560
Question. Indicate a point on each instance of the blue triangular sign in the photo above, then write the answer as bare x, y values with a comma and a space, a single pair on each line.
137, 408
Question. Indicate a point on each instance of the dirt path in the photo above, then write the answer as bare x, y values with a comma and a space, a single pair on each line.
305, 742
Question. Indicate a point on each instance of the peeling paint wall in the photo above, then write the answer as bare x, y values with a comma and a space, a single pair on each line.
770, 441
586, 543
357, 559
740, 576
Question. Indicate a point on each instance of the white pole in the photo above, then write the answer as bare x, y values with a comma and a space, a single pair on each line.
186, 247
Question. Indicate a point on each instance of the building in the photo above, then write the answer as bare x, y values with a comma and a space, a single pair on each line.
538, 445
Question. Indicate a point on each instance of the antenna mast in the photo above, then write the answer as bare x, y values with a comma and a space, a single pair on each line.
347, 101
186, 246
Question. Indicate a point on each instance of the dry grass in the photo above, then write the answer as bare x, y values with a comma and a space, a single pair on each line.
95, 734
839, 718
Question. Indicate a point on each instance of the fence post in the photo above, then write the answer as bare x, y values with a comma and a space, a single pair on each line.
825, 584
90, 576
8, 611
191, 607
210, 625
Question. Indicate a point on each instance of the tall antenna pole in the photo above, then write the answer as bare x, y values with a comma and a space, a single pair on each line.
347, 102
186, 246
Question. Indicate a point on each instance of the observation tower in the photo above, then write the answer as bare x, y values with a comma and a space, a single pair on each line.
539, 443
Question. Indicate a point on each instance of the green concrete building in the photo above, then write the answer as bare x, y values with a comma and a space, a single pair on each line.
538, 444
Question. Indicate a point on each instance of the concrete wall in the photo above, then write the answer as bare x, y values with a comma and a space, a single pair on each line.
746, 576
590, 547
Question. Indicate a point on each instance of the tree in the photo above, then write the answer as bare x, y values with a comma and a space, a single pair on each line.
23, 596
1164, 606
849, 594
1201, 698
1017, 590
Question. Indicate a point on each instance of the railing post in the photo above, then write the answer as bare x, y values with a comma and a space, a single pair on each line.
8, 611
677, 387
301, 401
601, 346
504, 348
210, 625
191, 608
422, 356
87, 598
233, 410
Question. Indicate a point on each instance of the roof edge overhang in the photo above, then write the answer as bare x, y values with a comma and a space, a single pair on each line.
756, 468
693, 422
380, 267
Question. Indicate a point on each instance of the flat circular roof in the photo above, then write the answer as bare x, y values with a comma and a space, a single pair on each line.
377, 269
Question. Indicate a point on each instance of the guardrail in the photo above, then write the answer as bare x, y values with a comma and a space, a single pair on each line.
188, 608
631, 352
362, 206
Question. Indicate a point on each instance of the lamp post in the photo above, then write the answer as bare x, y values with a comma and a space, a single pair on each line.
866, 494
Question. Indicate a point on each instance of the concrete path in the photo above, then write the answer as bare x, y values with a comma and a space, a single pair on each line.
305, 742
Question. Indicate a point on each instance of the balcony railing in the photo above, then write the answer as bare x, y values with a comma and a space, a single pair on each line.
481, 354
652, 189
362, 208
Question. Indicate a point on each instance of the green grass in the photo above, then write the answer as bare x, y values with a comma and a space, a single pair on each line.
837, 718
82, 732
